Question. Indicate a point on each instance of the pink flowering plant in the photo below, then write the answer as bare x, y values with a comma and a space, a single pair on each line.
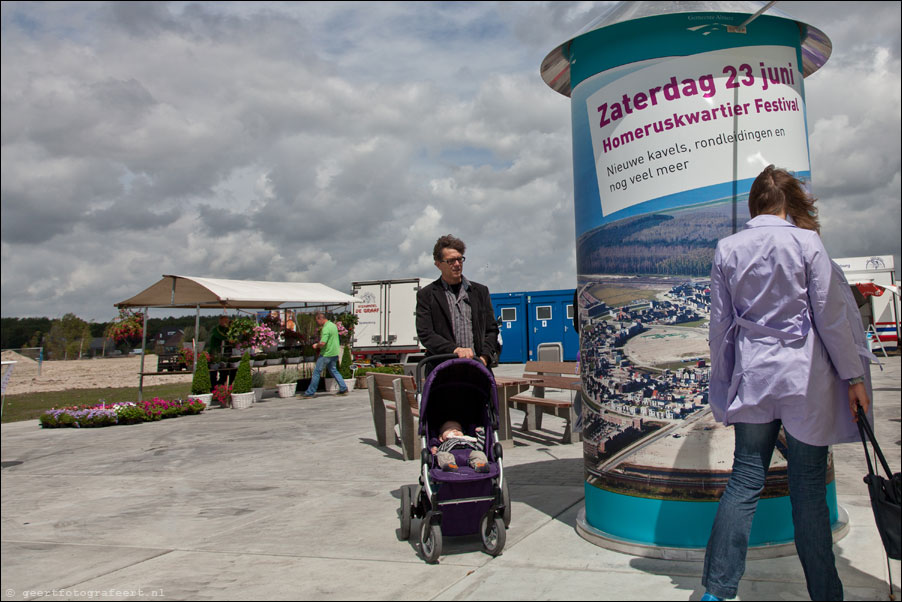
222, 394
186, 356
128, 327
345, 323
104, 414
262, 337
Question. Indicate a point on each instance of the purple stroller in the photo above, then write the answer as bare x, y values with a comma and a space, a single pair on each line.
463, 502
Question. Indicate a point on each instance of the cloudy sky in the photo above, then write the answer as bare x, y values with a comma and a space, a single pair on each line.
333, 142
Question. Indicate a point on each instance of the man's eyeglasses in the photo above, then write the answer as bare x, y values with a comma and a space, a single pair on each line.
454, 260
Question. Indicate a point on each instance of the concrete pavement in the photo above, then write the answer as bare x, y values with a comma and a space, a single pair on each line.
293, 499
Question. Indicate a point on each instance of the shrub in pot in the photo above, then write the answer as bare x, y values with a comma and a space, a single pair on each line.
242, 390
258, 382
288, 382
243, 379
201, 386
344, 367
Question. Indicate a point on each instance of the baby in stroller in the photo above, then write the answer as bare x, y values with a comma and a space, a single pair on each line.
451, 436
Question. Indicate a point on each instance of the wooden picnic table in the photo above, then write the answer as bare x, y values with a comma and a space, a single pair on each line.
508, 387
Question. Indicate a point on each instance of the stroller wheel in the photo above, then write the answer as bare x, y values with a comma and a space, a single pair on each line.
493, 534
506, 500
430, 540
405, 512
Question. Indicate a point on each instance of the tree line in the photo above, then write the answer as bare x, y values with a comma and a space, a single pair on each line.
71, 337
674, 243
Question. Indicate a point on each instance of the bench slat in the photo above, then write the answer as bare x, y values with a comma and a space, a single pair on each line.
553, 381
552, 367
541, 401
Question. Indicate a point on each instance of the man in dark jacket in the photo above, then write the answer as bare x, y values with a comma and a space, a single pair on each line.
455, 315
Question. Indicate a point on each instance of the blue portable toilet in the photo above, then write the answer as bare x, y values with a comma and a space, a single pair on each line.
510, 311
551, 323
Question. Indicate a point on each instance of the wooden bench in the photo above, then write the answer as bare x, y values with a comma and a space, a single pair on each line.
542, 375
393, 400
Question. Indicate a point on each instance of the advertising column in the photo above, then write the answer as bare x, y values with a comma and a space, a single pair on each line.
673, 117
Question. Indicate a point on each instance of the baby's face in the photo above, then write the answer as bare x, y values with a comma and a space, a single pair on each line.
451, 430
451, 433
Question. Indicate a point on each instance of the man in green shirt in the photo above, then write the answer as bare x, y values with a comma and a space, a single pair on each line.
328, 357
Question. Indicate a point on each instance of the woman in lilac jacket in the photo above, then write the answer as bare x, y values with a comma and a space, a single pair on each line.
784, 351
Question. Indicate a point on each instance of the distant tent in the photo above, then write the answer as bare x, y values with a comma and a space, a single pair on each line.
214, 293
217, 293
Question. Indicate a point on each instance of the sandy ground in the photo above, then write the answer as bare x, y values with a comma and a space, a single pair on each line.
86, 374
665, 344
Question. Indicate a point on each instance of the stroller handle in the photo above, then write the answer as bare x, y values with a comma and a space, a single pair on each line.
435, 359
432, 359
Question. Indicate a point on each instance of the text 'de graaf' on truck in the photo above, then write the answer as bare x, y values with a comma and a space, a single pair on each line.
386, 330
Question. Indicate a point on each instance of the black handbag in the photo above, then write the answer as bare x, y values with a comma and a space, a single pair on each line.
886, 494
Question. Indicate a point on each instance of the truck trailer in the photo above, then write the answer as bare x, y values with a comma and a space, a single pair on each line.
386, 330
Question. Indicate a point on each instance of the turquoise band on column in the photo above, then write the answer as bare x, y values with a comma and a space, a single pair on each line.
680, 524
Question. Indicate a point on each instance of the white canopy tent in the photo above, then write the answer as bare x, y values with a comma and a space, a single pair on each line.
214, 293
217, 293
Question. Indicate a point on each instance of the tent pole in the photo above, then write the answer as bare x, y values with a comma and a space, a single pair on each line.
196, 337
143, 347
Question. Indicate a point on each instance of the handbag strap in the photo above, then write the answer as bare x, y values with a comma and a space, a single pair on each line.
865, 430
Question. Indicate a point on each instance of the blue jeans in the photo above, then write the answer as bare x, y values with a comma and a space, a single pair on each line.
323, 363
727, 546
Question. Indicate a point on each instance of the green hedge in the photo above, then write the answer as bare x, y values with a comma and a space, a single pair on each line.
392, 369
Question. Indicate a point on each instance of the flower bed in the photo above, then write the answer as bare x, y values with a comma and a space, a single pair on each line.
120, 413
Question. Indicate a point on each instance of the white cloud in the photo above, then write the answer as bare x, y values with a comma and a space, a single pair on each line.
336, 141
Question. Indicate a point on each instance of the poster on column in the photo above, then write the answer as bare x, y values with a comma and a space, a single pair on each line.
676, 143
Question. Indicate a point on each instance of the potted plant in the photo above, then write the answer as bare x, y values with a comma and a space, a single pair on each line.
275, 358
241, 330
222, 394
287, 382
293, 355
263, 337
127, 328
259, 360
346, 368
258, 381
242, 390
363, 371
201, 386
186, 358
305, 375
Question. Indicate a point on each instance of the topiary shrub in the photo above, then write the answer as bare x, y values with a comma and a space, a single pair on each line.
200, 384
345, 367
243, 382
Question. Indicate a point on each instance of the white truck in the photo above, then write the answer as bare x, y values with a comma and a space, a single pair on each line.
386, 330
